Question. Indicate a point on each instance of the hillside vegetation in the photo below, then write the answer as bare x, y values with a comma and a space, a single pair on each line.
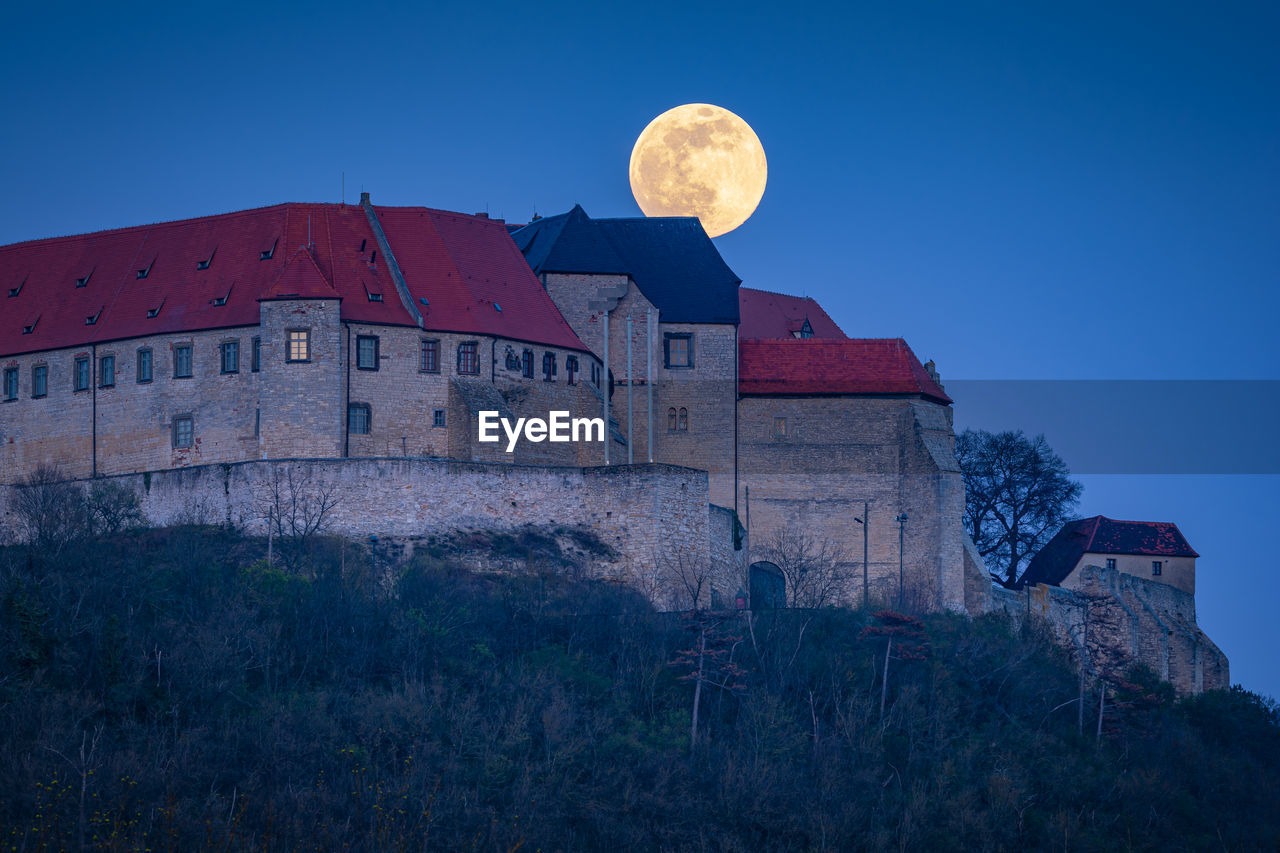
171, 690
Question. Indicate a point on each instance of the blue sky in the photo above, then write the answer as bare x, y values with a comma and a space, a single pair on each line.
1023, 191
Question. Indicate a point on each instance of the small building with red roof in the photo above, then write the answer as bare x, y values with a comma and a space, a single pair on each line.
1152, 550
765, 314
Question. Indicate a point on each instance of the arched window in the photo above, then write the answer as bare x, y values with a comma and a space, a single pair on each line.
671, 420
684, 420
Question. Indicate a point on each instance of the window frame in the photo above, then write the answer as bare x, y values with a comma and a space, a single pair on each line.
780, 426
149, 353
429, 355
571, 368
229, 346
175, 431
255, 354
178, 350
682, 422
548, 367
367, 410
107, 371
361, 341
12, 384
1111, 562
472, 347
439, 418
1157, 568
687, 338
40, 386
290, 341
81, 374
526, 364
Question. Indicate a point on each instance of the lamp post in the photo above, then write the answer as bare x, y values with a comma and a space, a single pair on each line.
866, 511
901, 518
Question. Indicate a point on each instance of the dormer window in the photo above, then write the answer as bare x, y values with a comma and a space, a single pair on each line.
146, 271
219, 301
153, 313
204, 265
497, 307
266, 254
84, 280
806, 331
92, 319
26, 330
14, 291
373, 296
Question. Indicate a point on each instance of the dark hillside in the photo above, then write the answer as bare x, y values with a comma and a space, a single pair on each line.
170, 690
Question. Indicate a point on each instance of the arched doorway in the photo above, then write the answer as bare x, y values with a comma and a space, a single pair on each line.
768, 589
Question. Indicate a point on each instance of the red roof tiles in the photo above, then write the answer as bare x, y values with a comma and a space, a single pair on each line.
765, 314
461, 264
1145, 538
818, 366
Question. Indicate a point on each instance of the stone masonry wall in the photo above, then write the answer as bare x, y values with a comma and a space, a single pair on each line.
1114, 620
654, 516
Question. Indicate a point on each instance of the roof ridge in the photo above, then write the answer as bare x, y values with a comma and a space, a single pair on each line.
776, 293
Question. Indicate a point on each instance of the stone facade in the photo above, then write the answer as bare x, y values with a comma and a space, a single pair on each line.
1114, 619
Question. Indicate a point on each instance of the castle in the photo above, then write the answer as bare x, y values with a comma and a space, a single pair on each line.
359, 344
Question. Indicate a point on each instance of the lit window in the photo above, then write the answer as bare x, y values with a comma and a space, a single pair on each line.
526, 364
107, 371
182, 361
549, 366
366, 352
81, 377
40, 380
230, 356
779, 427
10, 384
469, 357
437, 418
358, 417
144, 365
255, 355
429, 357
299, 345
679, 350
1157, 568
183, 431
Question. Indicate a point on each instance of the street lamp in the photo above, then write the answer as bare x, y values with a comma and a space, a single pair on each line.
866, 511
901, 518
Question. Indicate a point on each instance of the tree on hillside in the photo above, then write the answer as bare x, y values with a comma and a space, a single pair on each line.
1018, 492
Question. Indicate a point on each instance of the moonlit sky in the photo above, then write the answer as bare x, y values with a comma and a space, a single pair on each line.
1025, 191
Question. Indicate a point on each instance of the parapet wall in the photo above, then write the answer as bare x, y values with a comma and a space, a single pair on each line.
651, 515
1115, 620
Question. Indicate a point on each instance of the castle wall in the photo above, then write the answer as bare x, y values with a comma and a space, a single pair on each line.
1114, 620
655, 516
833, 454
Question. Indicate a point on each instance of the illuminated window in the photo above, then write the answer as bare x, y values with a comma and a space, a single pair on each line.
299, 346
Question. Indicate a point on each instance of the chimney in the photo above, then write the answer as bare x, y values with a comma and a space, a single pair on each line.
482, 215
364, 198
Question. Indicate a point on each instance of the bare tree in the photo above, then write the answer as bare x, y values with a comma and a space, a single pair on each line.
815, 570
51, 510
112, 507
295, 508
1018, 492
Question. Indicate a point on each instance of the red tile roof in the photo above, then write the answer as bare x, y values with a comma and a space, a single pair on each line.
1102, 535
765, 314
300, 279
459, 263
818, 366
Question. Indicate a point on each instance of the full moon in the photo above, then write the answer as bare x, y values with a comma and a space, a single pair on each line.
699, 160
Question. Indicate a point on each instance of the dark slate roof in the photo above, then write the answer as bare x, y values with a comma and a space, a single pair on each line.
1102, 535
671, 260
802, 367
766, 314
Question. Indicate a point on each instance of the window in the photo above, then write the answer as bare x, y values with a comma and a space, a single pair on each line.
549, 366
183, 431
595, 374
182, 361
526, 364
358, 418
204, 265
437, 418
366, 352
255, 355
230, 356
40, 380
429, 357
679, 350
779, 427
571, 368
268, 254
299, 348
1111, 562
144, 365
469, 357
10, 384
671, 420
257, 422
81, 375
1157, 568
107, 371
84, 280
683, 425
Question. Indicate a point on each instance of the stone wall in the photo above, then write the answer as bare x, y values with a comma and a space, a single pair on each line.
654, 516
1114, 620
